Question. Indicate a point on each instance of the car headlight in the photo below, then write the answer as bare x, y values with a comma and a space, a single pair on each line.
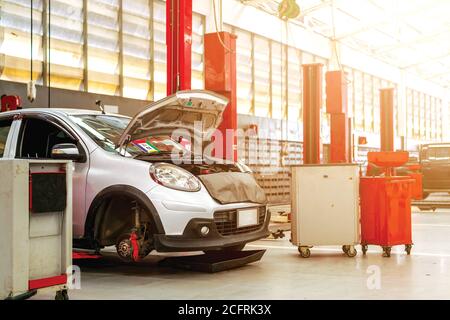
174, 177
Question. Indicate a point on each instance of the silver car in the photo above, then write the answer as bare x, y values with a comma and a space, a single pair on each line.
127, 190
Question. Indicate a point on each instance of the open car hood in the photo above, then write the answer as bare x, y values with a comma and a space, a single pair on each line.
178, 111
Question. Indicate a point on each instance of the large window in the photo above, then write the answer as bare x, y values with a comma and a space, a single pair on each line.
364, 101
409, 113
295, 84
424, 116
103, 46
15, 43
244, 72
64, 45
368, 98
114, 47
262, 79
269, 77
433, 128
359, 100
377, 86
278, 81
198, 31
136, 41
160, 50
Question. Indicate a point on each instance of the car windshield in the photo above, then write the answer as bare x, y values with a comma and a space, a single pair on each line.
438, 153
106, 130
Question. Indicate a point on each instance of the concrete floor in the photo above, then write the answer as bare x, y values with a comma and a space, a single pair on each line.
283, 274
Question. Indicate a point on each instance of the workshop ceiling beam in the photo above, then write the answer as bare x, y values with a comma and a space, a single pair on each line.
418, 40
427, 60
387, 17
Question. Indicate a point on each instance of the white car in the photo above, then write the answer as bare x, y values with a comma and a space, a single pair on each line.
128, 192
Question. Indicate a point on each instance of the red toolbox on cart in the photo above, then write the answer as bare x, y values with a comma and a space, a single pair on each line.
386, 205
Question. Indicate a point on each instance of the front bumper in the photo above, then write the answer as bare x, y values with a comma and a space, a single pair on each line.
192, 240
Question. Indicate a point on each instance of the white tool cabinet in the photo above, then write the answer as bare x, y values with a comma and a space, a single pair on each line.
36, 226
325, 207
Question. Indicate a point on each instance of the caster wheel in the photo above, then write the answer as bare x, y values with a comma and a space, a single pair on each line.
304, 252
408, 248
364, 248
351, 252
387, 252
345, 249
62, 295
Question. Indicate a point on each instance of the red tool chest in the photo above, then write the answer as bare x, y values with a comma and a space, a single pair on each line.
386, 207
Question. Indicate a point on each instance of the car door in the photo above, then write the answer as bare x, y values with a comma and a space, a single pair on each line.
35, 130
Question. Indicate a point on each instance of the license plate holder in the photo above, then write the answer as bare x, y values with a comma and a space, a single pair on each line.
247, 218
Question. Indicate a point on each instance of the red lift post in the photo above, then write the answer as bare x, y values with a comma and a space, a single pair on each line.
386, 199
337, 107
387, 138
387, 119
179, 45
312, 104
220, 77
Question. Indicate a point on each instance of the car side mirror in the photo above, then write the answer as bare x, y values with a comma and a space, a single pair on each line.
66, 151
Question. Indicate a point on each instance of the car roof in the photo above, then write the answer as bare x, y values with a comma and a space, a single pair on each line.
60, 111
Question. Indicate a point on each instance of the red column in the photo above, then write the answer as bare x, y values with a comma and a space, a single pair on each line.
337, 107
220, 77
387, 119
312, 103
179, 43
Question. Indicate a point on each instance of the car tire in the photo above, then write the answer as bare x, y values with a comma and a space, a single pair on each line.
235, 248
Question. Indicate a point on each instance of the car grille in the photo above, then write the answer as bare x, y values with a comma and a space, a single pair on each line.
226, 222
